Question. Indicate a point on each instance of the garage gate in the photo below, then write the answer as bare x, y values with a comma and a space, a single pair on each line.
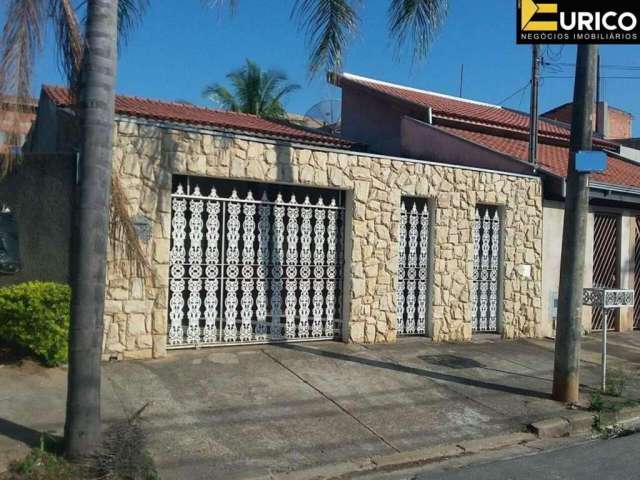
253, 263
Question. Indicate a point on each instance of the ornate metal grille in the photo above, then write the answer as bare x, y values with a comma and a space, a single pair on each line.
636, 277
255, 266
412, 295
486, 269
605, 269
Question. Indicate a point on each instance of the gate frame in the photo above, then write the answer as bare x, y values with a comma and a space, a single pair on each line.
502, 212
347, 243
432, 208
619, 247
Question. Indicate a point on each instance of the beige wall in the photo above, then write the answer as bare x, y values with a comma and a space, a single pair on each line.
146, 157
553, 214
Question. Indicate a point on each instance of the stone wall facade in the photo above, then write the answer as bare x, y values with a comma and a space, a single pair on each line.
146, 156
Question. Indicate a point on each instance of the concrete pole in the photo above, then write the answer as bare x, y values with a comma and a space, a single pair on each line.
533, 109
566, 371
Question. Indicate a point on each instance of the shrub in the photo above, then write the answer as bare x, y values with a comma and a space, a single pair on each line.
35, 316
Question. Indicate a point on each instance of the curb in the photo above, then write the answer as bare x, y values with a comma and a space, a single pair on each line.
580, 423
572, 424
394, 461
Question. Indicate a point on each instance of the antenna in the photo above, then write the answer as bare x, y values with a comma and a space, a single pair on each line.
461, 78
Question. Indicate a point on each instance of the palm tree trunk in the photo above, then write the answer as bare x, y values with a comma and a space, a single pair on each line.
90, 234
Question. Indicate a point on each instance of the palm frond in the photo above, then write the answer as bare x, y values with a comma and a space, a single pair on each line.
21, 39
70, 41
416, 22
222, 97
328, 24
130, 13
232, 5
128, 253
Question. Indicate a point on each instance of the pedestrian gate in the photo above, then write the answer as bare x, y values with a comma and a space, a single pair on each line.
412, 294
253, 263
486, 269
605, 266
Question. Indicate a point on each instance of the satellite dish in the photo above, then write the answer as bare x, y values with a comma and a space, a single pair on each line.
324, 115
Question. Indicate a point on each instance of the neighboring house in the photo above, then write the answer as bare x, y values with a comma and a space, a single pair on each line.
407, 122
15, 122
609, 122
259, 231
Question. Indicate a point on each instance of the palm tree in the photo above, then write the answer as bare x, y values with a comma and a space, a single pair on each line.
255, 91
89, 58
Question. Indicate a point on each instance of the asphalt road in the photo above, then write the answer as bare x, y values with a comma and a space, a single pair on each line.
617, 459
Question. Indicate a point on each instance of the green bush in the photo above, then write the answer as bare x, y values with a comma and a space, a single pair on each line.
35, 316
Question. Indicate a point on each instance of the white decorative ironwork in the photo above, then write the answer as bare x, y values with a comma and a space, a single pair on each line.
423, 272
233, 258
305, 269
277, 269
318, 272
486, 270
212, 271
177, 258
246, 313
262, 271
413, 269
493, 273
291, 284
402, 246
195, 269
330, 299
239, 265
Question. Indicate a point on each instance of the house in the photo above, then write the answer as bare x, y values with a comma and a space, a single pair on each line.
259, 230
408, 122
16, 118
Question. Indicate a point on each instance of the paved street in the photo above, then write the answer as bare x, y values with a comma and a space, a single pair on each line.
243, 412
596, 460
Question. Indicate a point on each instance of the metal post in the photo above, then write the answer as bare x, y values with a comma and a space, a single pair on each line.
533, 109
604, 352
569, 327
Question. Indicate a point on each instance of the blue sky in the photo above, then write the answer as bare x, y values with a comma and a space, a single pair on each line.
177, 51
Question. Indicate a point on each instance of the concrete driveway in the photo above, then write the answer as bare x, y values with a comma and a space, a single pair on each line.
239, 412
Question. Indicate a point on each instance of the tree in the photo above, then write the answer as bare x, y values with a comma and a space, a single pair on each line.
89, 59
255, 91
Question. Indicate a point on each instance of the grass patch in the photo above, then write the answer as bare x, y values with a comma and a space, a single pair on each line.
122, 456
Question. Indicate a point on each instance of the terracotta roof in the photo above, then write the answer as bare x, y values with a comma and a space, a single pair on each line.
206, 117
552, 158
457, 108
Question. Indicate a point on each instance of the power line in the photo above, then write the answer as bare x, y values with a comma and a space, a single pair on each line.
607, 77
528, 84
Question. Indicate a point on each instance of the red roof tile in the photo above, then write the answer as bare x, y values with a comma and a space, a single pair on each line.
552, 158
458, 108
206, 117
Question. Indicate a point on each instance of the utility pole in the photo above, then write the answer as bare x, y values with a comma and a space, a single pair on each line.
533, 109
566, 370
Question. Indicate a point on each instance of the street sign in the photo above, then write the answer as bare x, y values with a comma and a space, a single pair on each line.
607, 298
591, 161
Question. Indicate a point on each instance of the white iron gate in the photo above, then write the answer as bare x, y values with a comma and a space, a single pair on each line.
412, 296
253, 267
486, 269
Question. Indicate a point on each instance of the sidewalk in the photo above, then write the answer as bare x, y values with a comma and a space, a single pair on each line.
249, 411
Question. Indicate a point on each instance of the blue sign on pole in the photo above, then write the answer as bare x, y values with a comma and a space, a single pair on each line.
591, 161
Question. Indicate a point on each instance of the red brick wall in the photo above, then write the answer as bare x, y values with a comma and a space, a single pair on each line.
620, 122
